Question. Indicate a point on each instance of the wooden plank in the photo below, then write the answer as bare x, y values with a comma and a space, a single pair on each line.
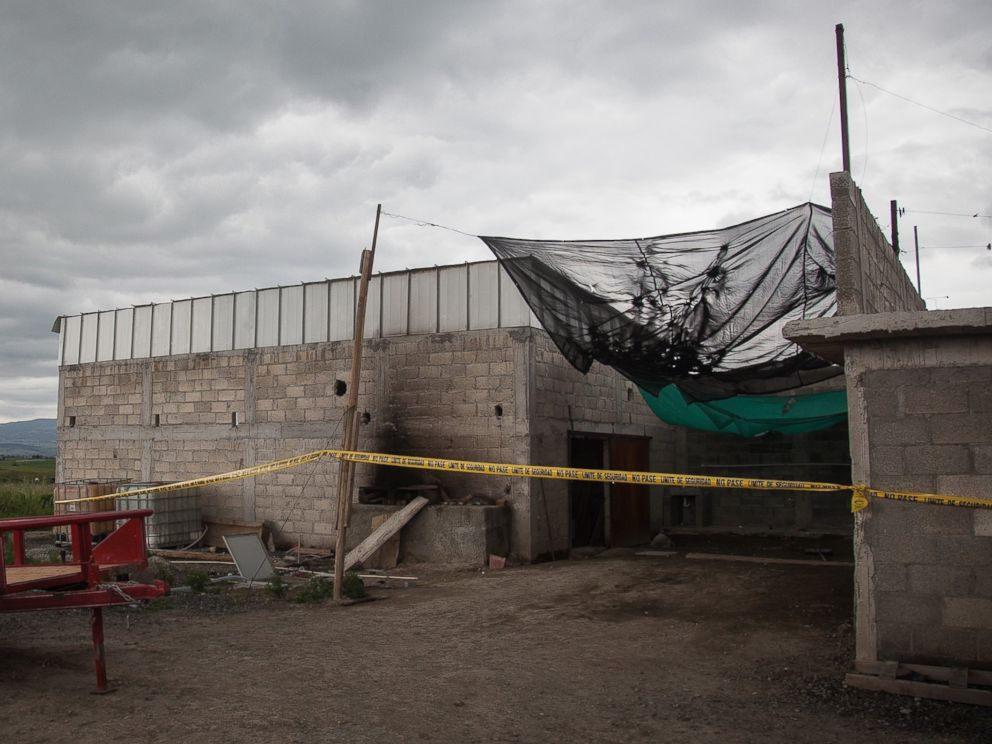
39, 572
379, 537
919, 689
191, 555
762, 559
939, 673
388, 555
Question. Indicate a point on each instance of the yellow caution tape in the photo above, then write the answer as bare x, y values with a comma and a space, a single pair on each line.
859, 499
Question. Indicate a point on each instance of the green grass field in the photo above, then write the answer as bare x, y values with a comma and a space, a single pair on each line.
26, 487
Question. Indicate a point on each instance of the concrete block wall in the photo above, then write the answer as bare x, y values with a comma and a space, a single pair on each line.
600, 402
812, 456
931, 430
870, 277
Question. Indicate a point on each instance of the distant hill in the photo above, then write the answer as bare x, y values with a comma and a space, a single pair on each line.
27, 438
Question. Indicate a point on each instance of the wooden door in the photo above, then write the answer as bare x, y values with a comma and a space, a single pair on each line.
630, 509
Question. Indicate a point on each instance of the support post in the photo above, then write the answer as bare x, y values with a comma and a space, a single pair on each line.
845, 142
894, 219
99, 656
346, 469
916, 240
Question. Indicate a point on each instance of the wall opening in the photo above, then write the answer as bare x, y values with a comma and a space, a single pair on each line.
586, 500
72, 421
340, 387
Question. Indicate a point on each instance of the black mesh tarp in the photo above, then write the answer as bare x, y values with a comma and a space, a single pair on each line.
702, 310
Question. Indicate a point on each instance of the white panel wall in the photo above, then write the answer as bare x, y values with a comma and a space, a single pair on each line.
181, 317
223, 323
453, 299
122, 333
291, 316
342, 312
395, 299
423, 301
141, 340
315, 298
244, 320
444, 299
105, 336
162, 329
267, 318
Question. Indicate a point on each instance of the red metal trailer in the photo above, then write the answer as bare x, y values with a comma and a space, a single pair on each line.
79, 581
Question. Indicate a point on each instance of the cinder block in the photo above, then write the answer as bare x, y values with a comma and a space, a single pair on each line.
895, 640
887, 461
907, 607
965, 485
967, 612
944, 581
940, 459
961, 550
934, 399
890, 577
961, 428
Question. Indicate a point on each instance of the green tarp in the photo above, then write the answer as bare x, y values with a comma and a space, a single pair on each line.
751, 415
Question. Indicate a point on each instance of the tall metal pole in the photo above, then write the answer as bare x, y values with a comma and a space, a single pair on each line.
894, 219
346, 469
845, 142
916, 239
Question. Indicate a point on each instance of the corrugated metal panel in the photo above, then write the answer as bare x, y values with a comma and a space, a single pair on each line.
142, 339
267, 318
342, 310
315, 298
223, 333
423, 301
373, 309
180, 326
396, 294
291, 316
162, 329
122, 336
87, 345
105, 336
453, 299
244, 320
483, 292
70, 339
513, 311
202, 324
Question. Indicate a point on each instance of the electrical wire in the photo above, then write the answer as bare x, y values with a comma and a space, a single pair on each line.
823, 147
950, 214
425, 223
921, 105
864, 110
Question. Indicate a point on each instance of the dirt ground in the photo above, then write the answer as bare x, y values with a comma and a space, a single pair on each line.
607, 649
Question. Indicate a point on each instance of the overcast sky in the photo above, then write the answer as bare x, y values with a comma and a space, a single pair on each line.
153, 151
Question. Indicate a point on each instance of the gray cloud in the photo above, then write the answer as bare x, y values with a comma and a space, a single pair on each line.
168, 150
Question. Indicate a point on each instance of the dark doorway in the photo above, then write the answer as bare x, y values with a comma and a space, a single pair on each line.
630, 508
587, 510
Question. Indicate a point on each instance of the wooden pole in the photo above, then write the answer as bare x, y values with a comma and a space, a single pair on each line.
894, 219
916, 239
845, 142
346, 469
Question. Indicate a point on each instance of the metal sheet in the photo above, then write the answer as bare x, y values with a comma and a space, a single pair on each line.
250, 556
105, 336
291, 316
342, 310
223, 331
483, 296
513, 311
202, 324
180, 326
423, 301
161, 329
315, 297
395, 296
142, 333
373, 309
87, 344
453, 299
244, 320
122, 333
267, 317
70, 339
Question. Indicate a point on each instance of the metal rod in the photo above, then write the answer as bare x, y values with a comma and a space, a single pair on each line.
845, 141
894, 219
99, 655
346, 469
916, 240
